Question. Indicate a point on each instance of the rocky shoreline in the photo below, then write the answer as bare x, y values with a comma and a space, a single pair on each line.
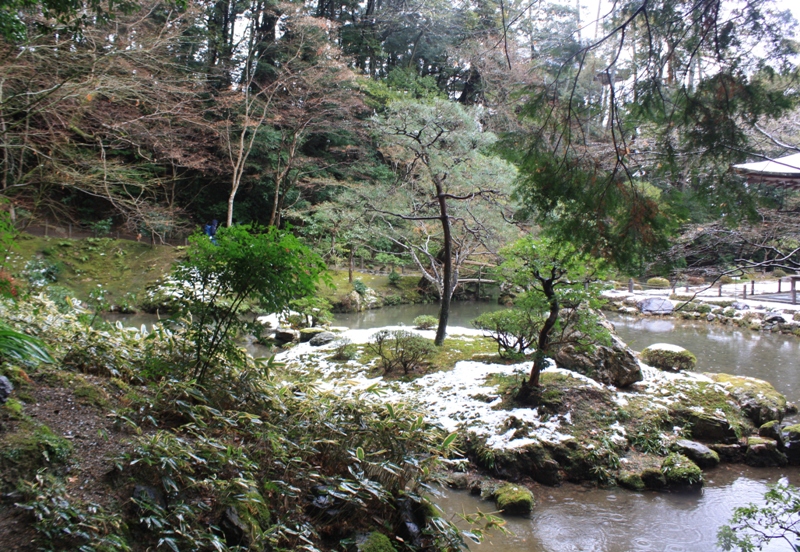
754, 315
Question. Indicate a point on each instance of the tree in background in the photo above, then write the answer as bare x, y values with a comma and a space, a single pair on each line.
447, 192
620, 149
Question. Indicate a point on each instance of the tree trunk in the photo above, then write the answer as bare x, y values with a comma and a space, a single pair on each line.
350, 266
447, 273
548, 286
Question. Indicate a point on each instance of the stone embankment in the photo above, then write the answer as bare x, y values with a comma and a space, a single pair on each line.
756, 315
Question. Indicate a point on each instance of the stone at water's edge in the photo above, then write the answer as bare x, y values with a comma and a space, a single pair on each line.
615, 365
698, 453
514, 499
758, 399
764, 453
655, 305
322, 339
286, 335
5, 389
666, 356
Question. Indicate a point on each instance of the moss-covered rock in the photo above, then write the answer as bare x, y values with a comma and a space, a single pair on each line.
631, 480
514, 499
762, 453
306, 334
668, 357
376, 542
681, 472
758, 399
653, 478
709, 427
657, 282
31, 447
772, 430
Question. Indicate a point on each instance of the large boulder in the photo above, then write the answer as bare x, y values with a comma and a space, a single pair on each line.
758, 399
5, 389
666, 356
322, 339
613, 365
655, 305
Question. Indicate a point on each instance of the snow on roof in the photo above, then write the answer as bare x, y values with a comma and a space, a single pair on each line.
782, 166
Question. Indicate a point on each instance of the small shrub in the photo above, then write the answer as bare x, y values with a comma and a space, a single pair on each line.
101, 227
400, 349
695, 280
658, 282
345, 350
392, 300
40, 272
778, 273
725, 279
359, 286
425, 322
394, 278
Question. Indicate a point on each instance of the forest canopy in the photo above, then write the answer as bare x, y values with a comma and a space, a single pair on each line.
160, 116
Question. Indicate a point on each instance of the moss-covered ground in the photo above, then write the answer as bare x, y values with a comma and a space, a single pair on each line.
122, 268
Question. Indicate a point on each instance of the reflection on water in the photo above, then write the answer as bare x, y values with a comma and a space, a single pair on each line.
461, 314
571, 518
771, 357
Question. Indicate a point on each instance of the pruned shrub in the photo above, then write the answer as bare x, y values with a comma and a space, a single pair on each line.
399, 349
658, 282
425, 322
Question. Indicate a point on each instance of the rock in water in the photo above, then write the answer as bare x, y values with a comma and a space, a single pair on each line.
5, 389
614, 365
655, 305
666, 356
286, 335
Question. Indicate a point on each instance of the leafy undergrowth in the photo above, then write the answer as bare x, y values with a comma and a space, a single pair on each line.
113, 448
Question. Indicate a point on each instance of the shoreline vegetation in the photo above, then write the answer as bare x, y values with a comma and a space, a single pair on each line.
108, 441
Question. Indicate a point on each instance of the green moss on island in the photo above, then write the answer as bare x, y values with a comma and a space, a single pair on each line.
679, 471
377, 542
